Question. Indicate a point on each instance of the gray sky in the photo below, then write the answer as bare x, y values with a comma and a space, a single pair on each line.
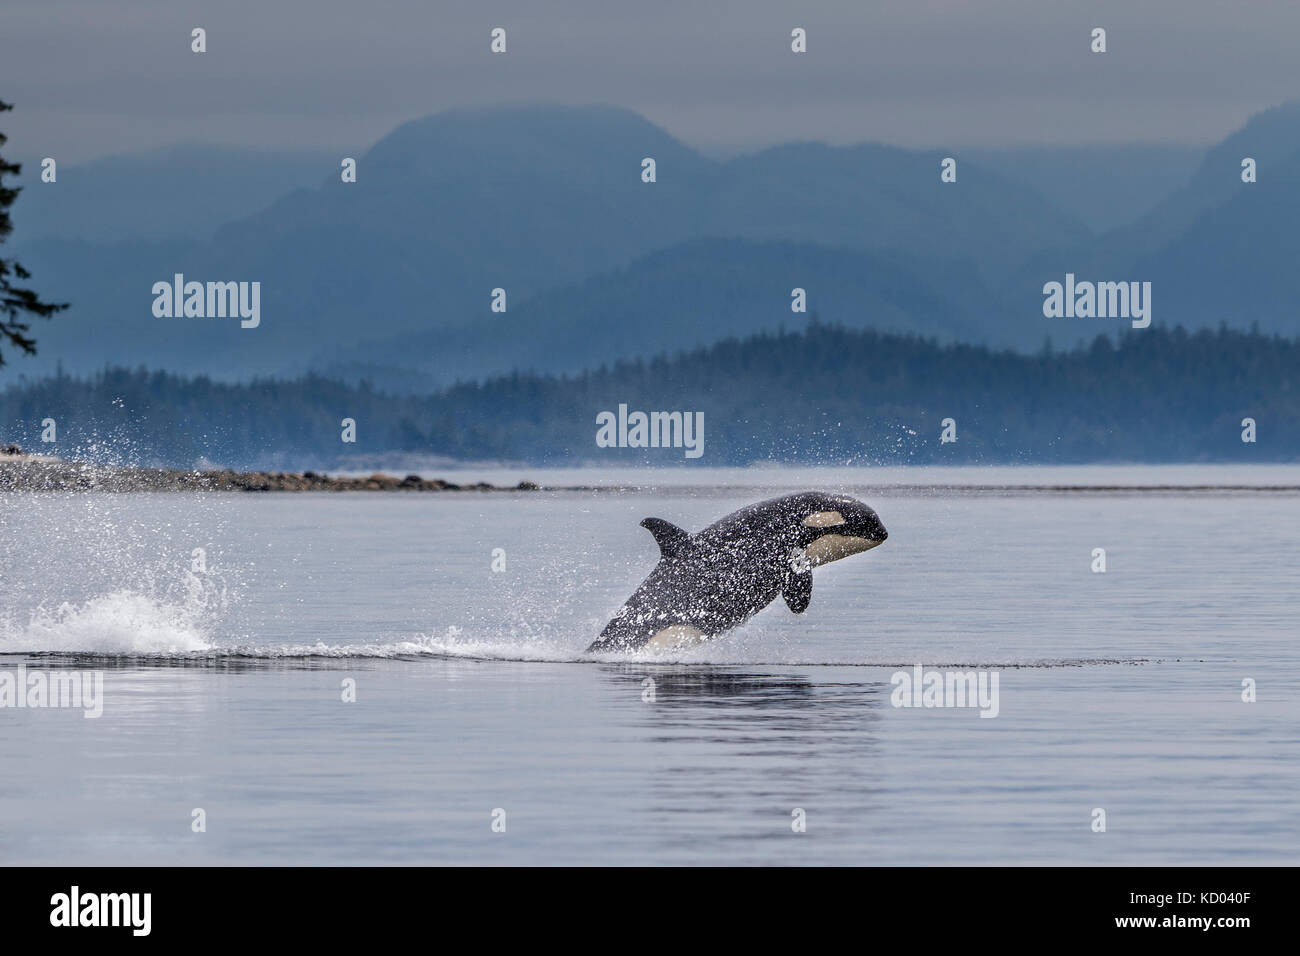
93, 77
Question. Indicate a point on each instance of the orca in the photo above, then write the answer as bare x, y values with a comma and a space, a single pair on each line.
709, 582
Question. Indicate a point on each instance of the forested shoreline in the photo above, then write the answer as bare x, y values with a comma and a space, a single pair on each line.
825, 394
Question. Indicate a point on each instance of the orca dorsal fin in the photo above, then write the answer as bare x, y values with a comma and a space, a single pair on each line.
671, 539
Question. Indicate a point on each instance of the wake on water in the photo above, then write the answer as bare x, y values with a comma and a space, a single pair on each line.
126, 624
137, 597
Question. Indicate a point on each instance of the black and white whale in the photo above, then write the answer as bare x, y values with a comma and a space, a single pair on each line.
709, 582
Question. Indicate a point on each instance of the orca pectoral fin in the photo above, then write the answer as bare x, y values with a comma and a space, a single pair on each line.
797, 590
671, 539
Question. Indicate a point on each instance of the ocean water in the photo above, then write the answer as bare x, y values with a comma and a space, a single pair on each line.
223, 687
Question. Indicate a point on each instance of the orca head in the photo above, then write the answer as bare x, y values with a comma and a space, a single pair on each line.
835, 526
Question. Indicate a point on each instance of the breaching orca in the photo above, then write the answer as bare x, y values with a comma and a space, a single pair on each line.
709, 582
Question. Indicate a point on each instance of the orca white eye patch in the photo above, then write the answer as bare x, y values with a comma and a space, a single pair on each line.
824, 519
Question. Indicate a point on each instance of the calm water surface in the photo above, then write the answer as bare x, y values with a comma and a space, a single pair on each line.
222, 688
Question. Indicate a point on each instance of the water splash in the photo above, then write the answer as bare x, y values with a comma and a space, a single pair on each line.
119, 622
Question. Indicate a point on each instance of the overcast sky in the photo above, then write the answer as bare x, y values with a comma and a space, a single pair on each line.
95, 77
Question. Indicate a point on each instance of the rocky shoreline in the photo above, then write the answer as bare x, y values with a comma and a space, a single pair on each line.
23, 472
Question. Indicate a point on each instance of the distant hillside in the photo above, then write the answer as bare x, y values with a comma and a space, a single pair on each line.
655, 305
824, 395
531, 199
1105, 187
390, 278
187, 192
1271, 137
1216, 250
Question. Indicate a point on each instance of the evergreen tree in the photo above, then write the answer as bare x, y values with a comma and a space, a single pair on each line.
15, 303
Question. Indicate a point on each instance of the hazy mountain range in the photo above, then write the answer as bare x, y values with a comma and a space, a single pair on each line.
390, 278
